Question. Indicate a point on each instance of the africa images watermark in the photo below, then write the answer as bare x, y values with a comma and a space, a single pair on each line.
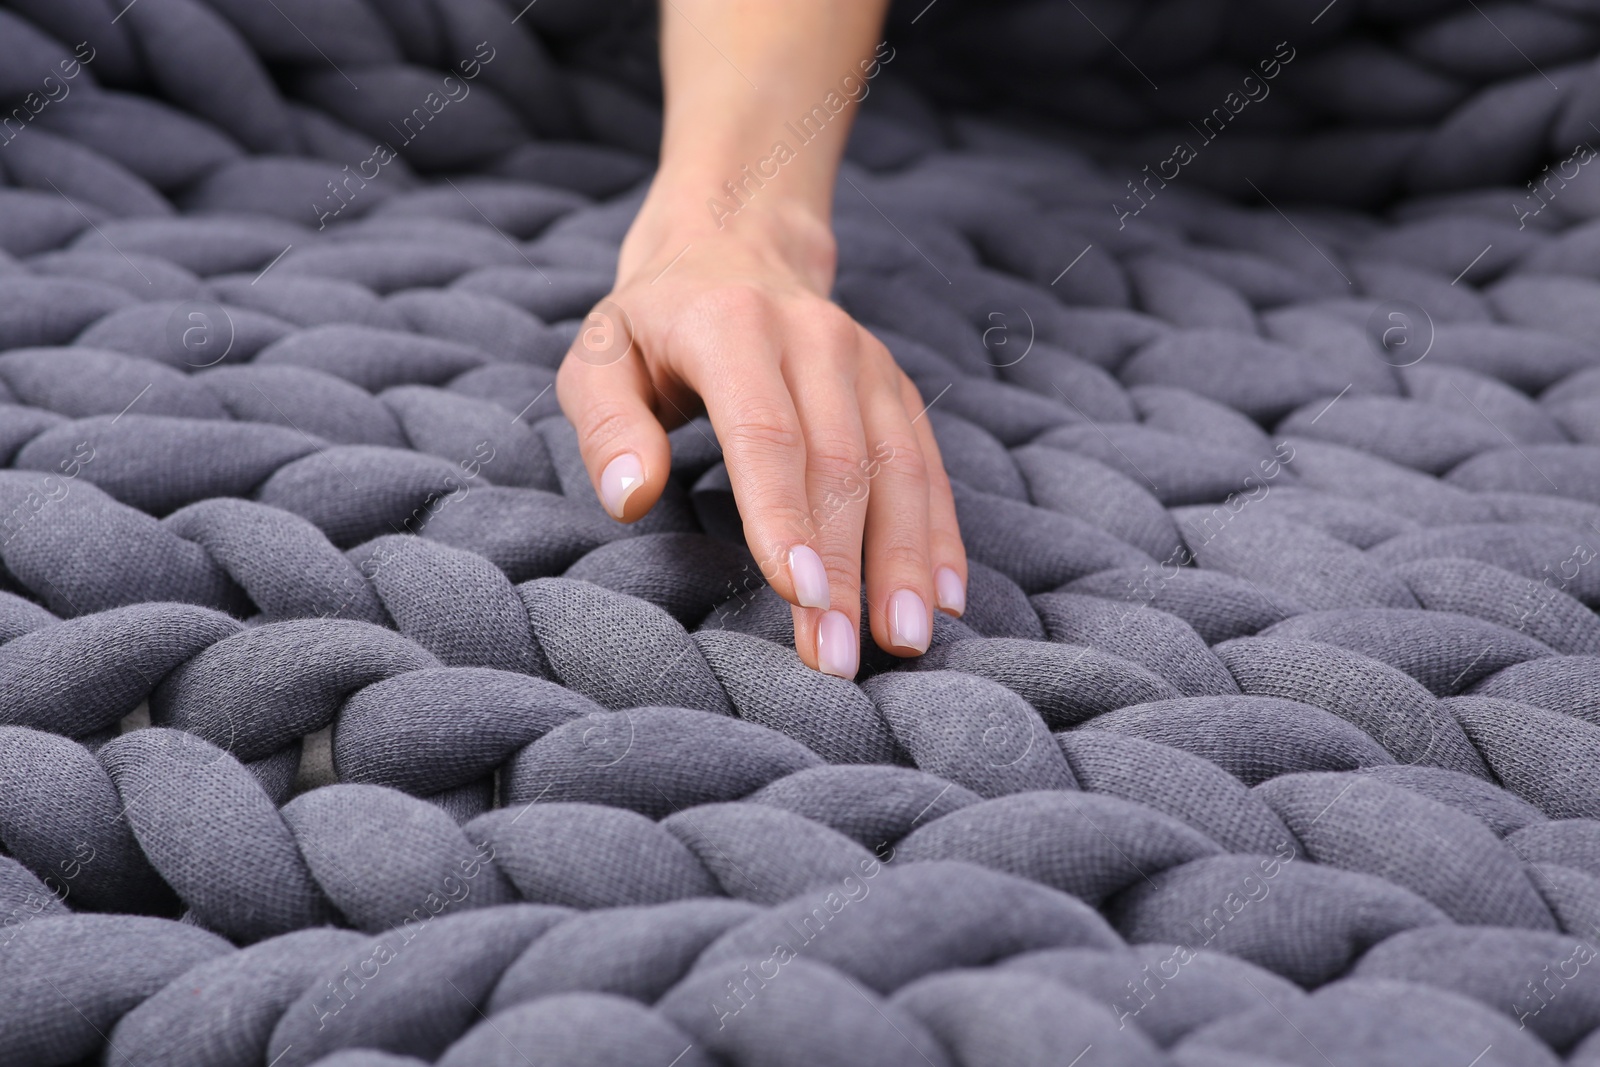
409, 129
811, 125
1547, 988
854, 491
742, 991
1185, 153
1145, 588
455, 491
347, 985
1582, 556
36, 501
1581, 155
35, 102
1255, 889
57, 888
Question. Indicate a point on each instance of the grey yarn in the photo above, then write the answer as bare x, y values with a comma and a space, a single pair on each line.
342, 726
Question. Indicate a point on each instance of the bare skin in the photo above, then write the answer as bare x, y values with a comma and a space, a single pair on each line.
726, 311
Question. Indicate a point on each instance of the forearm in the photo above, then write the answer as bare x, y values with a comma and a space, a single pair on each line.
760, 95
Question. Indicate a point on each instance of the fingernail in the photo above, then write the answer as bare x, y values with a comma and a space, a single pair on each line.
951, 593
838, 645
810, 577
618, 481
908, 620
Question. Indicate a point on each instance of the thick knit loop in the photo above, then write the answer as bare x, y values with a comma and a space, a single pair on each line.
1403, 1023
982, 736
343, 725
1200, 905
1520, 984
1254, 737
1188, 788
285, 703
1066, 684
541, 847
1386, 704
247, 885
1163, 643
428, 730
111, 962
1113, 843
1440, 854
377, 854
55, 685
618, 651
1446, 652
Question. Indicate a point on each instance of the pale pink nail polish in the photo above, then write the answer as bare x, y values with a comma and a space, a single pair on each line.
810, 577
951, 593
908, 620
618, 481
838, 645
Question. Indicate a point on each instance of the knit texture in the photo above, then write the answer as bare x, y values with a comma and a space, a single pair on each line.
340, 725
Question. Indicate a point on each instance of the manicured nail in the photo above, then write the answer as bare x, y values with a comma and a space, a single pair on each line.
908, 620
838, 645
618, 481
810, 577
951, 593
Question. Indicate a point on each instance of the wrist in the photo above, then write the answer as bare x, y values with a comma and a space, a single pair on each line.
766, 229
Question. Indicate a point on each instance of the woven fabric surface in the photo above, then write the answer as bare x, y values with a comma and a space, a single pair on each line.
340, 725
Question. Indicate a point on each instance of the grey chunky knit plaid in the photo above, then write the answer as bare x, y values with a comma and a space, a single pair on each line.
340, 725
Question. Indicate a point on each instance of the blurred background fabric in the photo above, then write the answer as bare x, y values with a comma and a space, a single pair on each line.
339, 724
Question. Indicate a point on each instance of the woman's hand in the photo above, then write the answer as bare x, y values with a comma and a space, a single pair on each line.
826, 440
722, 305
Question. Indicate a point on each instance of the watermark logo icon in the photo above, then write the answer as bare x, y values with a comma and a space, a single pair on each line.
1002, 348
606, 335
1403, 332
200, 332
605, 737
1006, 733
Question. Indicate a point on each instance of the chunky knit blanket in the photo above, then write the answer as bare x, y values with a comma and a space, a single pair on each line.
342, 726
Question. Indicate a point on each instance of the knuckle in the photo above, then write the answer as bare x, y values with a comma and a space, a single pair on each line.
833, 462
828, 453
843, 565
603, 423
782, 522
837, 327
763, 428
834, 338
876, 352
902, 551
907, 460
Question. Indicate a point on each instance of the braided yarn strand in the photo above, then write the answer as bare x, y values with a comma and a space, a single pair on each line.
341, 725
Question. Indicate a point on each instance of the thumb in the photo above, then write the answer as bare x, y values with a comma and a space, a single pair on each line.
609, 401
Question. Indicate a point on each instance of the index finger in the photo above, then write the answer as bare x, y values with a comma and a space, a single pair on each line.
756, 422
